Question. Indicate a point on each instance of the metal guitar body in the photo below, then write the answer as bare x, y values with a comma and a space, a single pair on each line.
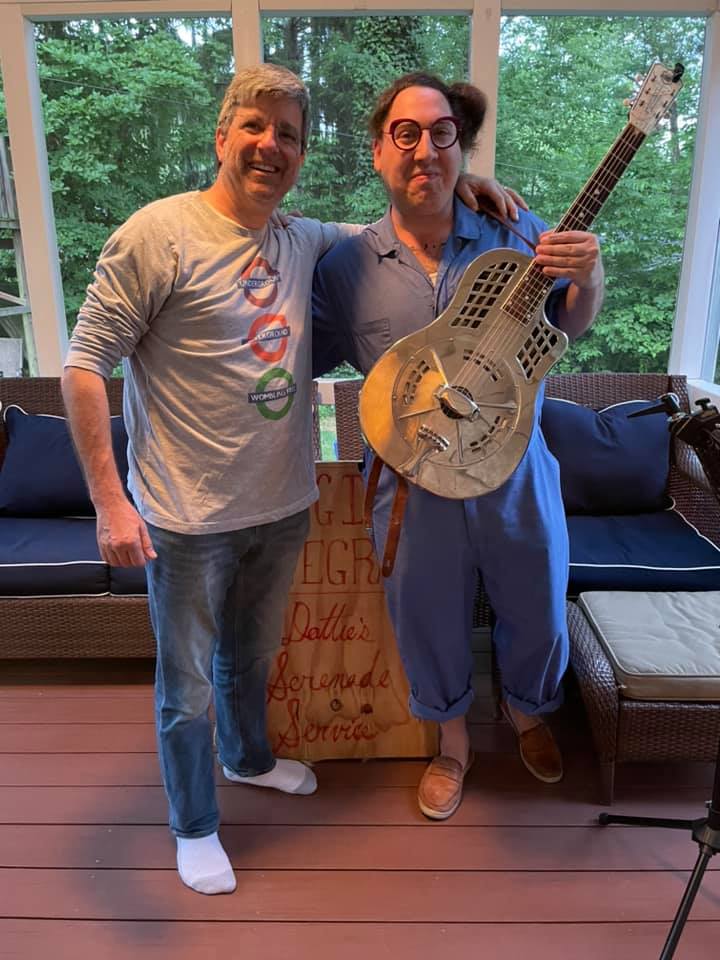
451, 407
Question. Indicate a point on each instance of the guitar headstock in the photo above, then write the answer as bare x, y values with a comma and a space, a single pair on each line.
655, 97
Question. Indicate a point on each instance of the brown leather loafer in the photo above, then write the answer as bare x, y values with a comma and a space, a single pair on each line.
440, 790
538, 750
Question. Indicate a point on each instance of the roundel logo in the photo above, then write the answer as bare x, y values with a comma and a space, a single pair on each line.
259, 282
276, 386
268, 337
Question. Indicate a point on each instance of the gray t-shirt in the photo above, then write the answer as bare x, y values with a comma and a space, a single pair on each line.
212, 322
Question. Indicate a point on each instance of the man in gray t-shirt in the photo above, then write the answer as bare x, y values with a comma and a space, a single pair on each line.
206, 302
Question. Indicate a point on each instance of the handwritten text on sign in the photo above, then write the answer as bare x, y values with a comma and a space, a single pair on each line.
337, 687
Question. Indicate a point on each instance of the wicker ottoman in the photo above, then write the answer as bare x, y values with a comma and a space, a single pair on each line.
653, 702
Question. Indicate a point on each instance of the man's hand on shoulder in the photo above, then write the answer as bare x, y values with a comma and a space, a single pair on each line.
122, 536
477, 192
282, 220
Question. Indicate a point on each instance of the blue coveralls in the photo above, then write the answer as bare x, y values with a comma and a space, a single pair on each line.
368, 293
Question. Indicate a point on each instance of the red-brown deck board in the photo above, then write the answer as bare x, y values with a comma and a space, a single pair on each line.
359, 896
327, 847
336, 804
523, 869
162, 940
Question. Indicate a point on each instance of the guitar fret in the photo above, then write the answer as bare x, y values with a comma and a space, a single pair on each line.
534, 286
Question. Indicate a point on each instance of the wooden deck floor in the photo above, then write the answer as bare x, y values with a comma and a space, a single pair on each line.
355, 872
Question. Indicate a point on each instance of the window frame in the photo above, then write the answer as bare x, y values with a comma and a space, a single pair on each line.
691, 344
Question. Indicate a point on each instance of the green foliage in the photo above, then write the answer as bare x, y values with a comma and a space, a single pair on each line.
346, 62
130, 109
562, 85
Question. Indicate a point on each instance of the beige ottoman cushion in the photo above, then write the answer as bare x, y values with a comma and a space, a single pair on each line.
661, 646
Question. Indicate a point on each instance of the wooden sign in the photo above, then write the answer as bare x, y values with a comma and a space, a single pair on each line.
337, 687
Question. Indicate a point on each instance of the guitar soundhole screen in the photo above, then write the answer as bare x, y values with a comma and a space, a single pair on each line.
411, 384
483, 295
536, 347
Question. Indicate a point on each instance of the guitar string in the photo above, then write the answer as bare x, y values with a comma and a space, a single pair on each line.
614, 163
599, 185
534, 286
533, 279
524, 298
611, 167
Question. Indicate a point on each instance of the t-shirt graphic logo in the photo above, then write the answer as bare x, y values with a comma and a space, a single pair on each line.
266, 392
259, 282
268, 337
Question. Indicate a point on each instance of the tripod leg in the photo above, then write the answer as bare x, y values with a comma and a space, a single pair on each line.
607, 776
686, 902
605, 818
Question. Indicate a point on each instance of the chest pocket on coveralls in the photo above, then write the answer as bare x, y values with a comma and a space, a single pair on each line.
372, 339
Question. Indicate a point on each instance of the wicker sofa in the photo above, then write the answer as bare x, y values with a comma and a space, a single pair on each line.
106, 625
116, 624
684, 483
62, 621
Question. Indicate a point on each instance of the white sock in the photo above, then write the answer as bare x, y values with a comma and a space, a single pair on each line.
290, 776
204, 865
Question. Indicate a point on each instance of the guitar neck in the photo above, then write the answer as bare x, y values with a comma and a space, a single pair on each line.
592, 197
532, 289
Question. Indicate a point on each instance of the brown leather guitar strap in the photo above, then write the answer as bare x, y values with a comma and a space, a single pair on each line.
505, 223
396, 514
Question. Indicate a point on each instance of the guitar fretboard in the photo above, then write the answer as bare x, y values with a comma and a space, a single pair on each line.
532, 289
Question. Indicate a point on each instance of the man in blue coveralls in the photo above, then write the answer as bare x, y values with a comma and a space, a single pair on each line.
384, 284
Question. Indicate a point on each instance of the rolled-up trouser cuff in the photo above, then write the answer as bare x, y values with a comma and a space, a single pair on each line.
457, 709
533, 709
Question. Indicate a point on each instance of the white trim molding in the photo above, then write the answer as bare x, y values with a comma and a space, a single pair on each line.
246, 33
32, 187
27, 140
593, 8
601, 8
484, 73
688, 349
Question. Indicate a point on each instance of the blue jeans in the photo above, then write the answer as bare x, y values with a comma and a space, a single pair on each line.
216, 603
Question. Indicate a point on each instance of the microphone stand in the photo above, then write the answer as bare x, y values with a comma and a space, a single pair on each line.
699, 430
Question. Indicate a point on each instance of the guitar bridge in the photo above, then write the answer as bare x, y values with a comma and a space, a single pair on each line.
411, 467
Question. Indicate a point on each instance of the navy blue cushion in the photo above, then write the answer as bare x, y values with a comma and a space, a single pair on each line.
128, 581
42, 557
658, 551
40, 475
608, 464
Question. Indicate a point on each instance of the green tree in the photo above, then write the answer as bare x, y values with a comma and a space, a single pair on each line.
129, 110
562, 85
346, 62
